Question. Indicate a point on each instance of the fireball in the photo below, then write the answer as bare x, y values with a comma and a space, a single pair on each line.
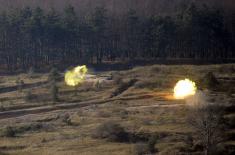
184, 88
75, 76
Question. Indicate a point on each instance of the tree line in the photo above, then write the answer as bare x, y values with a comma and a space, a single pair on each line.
35, 37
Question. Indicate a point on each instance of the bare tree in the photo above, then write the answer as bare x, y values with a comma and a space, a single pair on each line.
208, 122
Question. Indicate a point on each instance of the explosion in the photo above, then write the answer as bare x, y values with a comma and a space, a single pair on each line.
184, 88
75, 76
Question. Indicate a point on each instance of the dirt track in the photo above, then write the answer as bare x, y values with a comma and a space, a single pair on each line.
25, 86
43, 109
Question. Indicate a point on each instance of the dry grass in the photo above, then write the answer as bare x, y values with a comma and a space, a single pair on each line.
145, 107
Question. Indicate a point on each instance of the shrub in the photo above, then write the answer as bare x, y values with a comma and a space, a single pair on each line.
28, 96
66, 119
12, 131
9, 132
197, 146
20, 84
210, 81
117, 80
151, 143
138, 137
111, 132
2, 108
153, 84
96, 84
140, 149
116, 77
54, 92
43, 140
53, 75
221, 149
123, 86
231, 122
31, 72
17, 80
156, 69
230, 91
123, 114
104, 114
226, 69
189, 140
28, 127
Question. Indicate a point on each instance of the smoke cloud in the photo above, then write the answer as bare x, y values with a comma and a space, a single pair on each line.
200, 99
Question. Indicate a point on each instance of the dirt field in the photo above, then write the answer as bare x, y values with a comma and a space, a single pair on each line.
140, 100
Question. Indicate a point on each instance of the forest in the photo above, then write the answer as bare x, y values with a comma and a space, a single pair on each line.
38, 37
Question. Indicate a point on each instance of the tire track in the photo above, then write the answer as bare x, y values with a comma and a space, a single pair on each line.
25, 86
65, 106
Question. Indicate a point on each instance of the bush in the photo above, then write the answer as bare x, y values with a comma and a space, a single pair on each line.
231, 122
226, 69
151, 143
230, 91
140, 149
209, 81
150, 84
111, 132
12, 131
29, 127
123, 86
20, 84
2, 108
66, 119
139, 137
54, 75
221, 149
28, 96
54, 92
118, 80
31, 72
96, 84
116, 77
189, 140
197, 146
9, 132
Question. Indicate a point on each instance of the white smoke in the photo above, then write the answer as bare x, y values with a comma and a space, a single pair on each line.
200, 99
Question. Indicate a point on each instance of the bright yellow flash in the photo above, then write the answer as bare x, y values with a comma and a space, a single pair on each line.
184, 88
75, 76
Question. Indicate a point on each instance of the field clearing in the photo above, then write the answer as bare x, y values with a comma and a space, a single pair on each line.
143, 107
